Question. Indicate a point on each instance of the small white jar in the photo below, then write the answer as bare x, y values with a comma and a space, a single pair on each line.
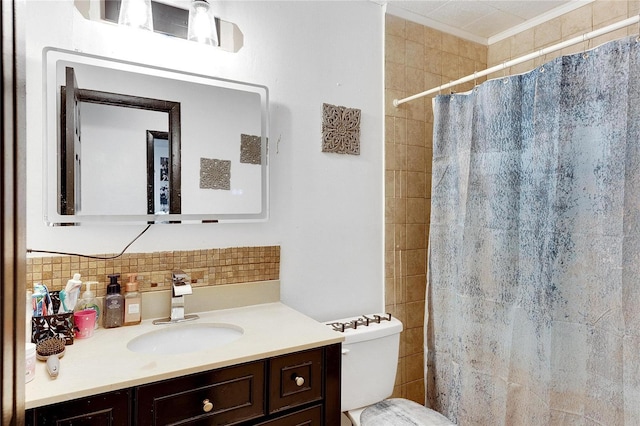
30, 362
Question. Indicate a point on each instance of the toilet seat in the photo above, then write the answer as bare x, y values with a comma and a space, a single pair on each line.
401, 412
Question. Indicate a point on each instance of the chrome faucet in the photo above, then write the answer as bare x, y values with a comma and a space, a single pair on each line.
180, 287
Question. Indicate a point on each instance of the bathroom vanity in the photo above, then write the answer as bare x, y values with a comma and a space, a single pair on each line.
284, 370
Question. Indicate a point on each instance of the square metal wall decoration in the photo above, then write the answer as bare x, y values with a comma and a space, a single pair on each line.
215, 174
340, 129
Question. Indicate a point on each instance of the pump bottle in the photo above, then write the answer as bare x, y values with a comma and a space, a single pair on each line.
132, 302
113, 304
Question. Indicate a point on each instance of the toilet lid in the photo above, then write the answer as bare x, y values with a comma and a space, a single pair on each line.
402, 412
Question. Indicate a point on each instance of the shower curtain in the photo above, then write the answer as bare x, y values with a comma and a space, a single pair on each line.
533, 294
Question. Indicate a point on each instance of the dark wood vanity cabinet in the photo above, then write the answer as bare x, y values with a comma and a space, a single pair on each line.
301, 388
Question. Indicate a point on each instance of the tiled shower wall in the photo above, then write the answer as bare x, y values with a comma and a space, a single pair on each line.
153, 270
590, 17
417, 58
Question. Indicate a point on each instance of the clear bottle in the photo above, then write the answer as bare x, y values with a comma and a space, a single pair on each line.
89, 301
113, 304
132, 302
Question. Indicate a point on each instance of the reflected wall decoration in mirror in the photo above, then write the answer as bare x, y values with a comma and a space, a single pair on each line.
108, 122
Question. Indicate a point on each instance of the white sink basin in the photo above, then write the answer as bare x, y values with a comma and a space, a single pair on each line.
184, 338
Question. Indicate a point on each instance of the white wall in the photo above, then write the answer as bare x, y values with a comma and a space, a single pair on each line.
327, 210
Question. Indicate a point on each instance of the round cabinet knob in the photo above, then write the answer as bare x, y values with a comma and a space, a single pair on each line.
299, 380
207, 406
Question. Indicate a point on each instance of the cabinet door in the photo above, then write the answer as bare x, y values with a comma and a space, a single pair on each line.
109, 409
219, 397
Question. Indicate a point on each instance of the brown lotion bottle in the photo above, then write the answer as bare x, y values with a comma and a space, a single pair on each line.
132, 302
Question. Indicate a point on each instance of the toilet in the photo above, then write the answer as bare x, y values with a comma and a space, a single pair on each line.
369, 364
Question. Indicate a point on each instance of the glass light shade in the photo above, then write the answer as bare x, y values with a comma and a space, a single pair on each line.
202, 23
136, 13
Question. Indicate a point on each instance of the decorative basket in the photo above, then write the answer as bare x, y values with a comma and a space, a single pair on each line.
58, 325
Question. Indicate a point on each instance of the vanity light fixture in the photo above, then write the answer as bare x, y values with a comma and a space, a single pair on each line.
136, 13
202, 23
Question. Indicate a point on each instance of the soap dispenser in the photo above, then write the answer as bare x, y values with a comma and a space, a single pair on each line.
113, 304
89, 301
132, 302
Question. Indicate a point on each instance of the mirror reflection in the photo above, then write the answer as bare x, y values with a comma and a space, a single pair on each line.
132, 143
158, 170
102, 154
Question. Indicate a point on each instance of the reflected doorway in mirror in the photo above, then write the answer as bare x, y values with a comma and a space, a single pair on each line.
159, 182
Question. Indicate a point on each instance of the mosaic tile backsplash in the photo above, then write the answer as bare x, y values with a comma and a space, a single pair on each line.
205, 267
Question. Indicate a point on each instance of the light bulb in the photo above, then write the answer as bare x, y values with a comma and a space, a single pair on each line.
202, 24
136, 13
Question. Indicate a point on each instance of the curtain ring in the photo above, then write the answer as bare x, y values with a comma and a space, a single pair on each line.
543, 54
544, 60
585, 47
504, 73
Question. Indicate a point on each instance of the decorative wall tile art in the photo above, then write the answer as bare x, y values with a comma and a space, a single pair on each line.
215, 174
250, 149
340, 129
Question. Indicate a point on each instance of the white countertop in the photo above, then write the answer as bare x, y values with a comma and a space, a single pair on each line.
103, 363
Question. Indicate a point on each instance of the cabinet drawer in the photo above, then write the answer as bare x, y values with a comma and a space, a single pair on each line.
309, 417
295, 379
236, 394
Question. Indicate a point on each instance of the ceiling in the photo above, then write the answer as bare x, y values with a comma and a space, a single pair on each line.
481, 21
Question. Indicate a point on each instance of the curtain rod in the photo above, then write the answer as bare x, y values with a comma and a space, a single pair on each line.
541, 52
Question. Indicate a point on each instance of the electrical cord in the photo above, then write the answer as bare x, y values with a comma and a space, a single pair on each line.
89, 256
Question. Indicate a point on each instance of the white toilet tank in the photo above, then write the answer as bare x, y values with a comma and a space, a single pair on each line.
369, 358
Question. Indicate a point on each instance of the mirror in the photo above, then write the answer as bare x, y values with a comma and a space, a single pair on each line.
132, 143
